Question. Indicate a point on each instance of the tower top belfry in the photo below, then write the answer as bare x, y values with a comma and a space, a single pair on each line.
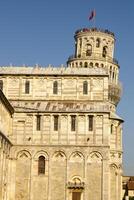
94, 48
92, 44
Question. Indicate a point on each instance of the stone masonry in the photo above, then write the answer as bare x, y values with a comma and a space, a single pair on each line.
60, 136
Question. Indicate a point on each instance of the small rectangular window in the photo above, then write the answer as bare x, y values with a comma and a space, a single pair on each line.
85, 87
73, 123
90, 122
55, 87
56, 122
38, 122
27, 87
111, 128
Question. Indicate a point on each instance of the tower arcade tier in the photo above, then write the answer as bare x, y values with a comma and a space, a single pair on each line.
94, 48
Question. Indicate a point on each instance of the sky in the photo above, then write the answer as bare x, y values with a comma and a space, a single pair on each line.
41, 32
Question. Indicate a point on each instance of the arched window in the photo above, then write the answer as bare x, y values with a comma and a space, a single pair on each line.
89, 50
55, 87
97, 42
96, 64
27, 87
85, 64
91, 64
85, 87
41, 165
1, 84
104, 52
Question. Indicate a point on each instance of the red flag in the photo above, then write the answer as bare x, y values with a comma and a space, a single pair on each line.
92, 15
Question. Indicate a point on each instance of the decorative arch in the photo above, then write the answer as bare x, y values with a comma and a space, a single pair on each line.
58, 156
76, 157
95, 157
41, 153
77, 179
94, 165
23, 154
58, 170
113, 166
23, 171
76, 182
113, 181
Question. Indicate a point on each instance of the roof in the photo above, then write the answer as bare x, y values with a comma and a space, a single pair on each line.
55, 106
37, 70
128, 183
115, 116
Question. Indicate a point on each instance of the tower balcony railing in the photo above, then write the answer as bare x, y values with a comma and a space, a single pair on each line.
93, 56
94, 29
115, 92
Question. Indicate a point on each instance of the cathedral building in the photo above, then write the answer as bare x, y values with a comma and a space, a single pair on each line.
60, 136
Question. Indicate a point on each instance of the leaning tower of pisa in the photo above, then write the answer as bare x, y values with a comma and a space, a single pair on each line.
60, 135
94, 49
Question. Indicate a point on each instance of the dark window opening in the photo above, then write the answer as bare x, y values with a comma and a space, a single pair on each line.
56, 122
90, 120
41, 165
85, 87
85, 64
111, 128
97, 42
27, 87
89, 50
55, 87
38, 122
104, 53
73, 123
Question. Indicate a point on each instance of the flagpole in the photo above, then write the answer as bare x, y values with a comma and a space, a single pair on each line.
92, 17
